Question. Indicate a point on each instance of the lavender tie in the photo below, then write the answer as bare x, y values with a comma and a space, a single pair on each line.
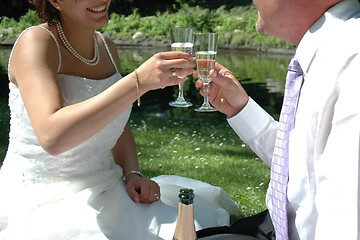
280, 161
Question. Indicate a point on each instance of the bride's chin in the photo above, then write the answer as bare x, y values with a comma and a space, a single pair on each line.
102, 22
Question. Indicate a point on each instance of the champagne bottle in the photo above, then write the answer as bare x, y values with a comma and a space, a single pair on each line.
185, 226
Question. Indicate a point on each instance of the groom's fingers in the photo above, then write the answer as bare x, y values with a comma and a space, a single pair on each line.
223, 82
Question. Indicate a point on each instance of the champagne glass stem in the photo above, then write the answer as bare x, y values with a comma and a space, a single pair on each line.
181, 91
206, 106
206, 95
180, 101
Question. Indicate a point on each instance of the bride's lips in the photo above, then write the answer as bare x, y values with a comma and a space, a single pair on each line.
97, 9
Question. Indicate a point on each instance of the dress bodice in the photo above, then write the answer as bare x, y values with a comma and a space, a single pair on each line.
42, 178
81, 167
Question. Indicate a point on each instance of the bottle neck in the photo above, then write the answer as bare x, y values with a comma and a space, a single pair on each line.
185, 227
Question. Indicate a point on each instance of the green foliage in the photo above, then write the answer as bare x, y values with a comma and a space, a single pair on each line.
124, 27
31, 18
236, 26
10, 28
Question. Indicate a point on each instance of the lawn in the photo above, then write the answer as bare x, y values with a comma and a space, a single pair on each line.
206, 149
201, 146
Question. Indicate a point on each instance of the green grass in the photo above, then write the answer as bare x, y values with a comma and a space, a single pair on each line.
204, 149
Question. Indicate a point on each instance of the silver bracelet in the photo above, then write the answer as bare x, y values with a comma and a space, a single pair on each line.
135, 172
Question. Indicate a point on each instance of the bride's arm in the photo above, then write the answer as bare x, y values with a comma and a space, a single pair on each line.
124, 153
58, 128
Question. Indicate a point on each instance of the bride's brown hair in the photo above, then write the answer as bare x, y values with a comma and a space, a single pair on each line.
46, 11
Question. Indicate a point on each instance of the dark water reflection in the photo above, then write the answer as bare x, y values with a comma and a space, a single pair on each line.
262, 75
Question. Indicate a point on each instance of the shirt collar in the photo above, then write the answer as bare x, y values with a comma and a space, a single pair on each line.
317, 34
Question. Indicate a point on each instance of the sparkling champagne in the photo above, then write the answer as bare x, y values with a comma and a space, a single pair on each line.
182, 47
205, 61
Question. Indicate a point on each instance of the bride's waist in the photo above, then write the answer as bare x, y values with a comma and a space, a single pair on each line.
38, 191
37, 175
59, 168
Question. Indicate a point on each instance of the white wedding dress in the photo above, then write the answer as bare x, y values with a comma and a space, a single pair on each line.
80, 194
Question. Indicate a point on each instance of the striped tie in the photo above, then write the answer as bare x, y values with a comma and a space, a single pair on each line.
280, 161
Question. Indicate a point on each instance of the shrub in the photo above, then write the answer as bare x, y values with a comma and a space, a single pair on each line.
10, 28
235, 26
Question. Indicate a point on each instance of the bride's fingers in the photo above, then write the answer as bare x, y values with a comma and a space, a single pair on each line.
178, 64
172, 81
180, 72
176, 55
157, 194
150, 192
154, 193
195, 74
198, 84
133, 194
163, 70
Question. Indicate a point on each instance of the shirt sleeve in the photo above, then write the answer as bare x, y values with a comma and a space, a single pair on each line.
257, 129
337, 161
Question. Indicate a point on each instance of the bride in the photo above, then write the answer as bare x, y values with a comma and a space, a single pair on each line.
69, 111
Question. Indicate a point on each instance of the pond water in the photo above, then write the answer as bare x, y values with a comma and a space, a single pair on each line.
262, 75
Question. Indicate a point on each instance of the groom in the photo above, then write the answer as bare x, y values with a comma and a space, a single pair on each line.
314, 150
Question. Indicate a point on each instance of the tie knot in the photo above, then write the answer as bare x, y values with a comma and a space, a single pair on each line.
294, 65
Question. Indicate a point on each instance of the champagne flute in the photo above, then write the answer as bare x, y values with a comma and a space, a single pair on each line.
205, 51
181, 40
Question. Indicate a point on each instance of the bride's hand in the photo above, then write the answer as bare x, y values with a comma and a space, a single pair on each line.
142, 189
158, 71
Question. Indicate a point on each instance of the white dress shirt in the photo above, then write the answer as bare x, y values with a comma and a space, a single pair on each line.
324, 162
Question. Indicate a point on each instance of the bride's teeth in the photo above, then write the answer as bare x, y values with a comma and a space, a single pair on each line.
98, 9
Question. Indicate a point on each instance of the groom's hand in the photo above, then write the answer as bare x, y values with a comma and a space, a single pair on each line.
226, 93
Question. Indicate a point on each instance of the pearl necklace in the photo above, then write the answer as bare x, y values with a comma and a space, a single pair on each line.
91, 62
